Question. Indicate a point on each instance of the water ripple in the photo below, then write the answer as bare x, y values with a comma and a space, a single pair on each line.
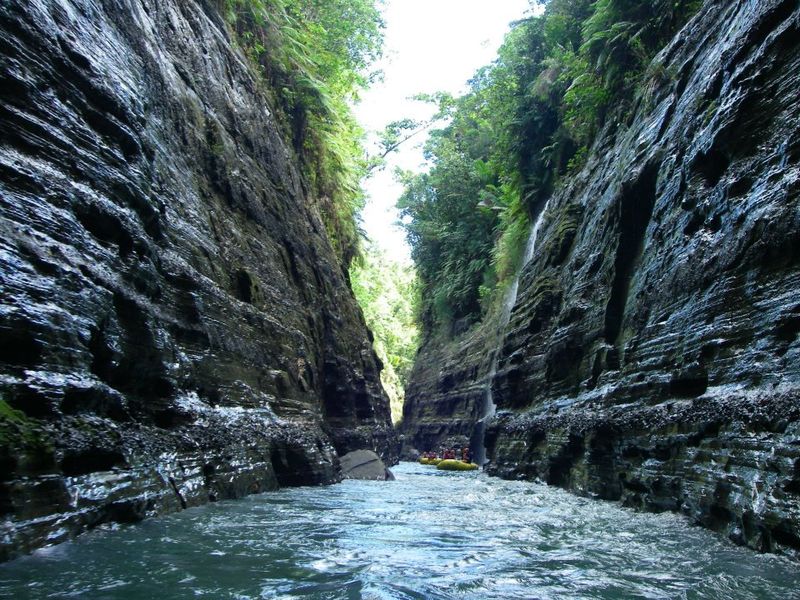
429, 535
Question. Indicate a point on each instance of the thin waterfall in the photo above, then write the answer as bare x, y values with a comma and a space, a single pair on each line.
509, 301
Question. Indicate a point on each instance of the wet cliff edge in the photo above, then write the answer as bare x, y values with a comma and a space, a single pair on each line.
652, 356
174, 326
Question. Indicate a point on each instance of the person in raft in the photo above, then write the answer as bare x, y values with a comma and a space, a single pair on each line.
465, 457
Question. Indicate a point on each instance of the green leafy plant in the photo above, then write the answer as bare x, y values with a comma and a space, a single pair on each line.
388, 294
314, 56
528, 120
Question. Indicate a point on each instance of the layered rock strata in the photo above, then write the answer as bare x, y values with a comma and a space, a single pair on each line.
174, 325
446, 391
653, 355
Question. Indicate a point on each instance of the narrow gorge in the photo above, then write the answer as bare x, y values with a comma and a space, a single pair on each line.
652, 355
597, 299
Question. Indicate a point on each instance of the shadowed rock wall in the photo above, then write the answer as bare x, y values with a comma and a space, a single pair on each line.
653, 353
174, 326
445, 392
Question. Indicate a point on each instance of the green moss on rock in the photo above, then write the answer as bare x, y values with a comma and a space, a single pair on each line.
565, 229
23, 442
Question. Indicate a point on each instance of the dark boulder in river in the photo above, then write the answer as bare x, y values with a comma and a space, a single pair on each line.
175, 327
364, 464
653, 355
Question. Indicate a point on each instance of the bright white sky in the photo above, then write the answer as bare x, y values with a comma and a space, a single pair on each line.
431, 45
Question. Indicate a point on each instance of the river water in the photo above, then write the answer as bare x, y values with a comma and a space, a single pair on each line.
428, 535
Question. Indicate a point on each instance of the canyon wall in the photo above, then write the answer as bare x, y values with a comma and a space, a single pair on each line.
652, 356
174, 325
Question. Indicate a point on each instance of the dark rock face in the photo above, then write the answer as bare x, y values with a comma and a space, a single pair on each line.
174, 326
653, 354
446, 391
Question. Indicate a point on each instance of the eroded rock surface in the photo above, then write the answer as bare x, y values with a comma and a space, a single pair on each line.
174, 326
653, 353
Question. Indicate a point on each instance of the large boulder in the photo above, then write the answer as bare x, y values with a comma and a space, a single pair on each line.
364, 464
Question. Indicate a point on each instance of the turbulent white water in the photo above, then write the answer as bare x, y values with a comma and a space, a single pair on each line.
430, 535
509, 301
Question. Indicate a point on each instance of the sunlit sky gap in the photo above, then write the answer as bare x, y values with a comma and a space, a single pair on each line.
431, 45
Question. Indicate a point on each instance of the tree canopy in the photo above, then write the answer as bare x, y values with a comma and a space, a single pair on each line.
387, 292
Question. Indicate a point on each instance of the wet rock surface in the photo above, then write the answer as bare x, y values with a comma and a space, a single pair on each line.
174, 325
652, 355
364, 464
446, 391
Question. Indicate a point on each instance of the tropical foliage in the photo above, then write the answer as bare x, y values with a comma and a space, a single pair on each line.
315, 56
528, 120
387, 292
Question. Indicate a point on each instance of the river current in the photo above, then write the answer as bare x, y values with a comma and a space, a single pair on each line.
427, 535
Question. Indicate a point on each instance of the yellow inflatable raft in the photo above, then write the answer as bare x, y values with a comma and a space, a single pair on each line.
456, 465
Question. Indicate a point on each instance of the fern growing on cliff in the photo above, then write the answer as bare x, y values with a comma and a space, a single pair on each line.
314, 56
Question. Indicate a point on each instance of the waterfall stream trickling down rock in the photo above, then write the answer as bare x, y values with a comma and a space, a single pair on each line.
508, 305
